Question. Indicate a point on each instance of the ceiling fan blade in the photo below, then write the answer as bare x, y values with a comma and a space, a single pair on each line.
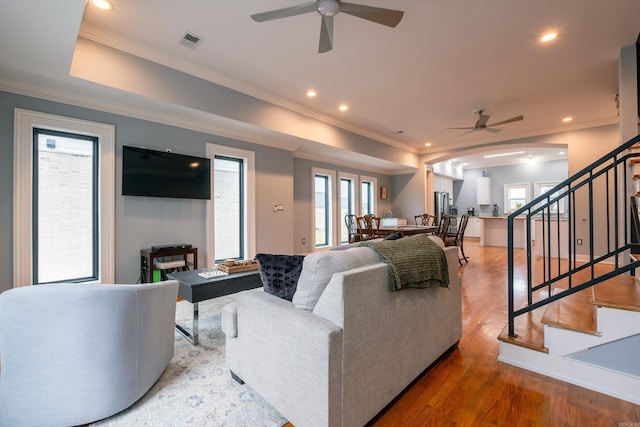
387, 17
467, 132
326, 34
285, 12
513, 119
493, 130
470, 127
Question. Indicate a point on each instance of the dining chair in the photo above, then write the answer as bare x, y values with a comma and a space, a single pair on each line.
422, 219
369, 227
457, 238
425, 219
351, 221
443, 226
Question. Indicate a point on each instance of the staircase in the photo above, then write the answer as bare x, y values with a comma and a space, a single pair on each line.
578, 305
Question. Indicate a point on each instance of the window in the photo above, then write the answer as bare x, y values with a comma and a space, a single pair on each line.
348, 199
229, 207
63, 199
231, 210
323, 207
516, 196
542, 188
368, 193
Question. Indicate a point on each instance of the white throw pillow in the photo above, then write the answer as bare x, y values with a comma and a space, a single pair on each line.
318, 267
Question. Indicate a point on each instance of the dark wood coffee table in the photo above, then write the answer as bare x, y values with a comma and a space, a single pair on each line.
194, 288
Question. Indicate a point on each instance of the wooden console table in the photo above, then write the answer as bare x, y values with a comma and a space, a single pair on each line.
149, 258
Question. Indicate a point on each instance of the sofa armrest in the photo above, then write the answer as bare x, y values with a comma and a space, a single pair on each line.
266, 354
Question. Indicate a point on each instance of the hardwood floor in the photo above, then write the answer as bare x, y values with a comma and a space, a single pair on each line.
471, 388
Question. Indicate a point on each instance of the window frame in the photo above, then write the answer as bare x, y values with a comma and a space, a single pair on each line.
330, 210
372, 193
24, 123
525, 185
537, 187
242, 211
95, 203
353, 201
249, 173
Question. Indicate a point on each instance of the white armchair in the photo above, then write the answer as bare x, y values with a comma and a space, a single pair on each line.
72, 354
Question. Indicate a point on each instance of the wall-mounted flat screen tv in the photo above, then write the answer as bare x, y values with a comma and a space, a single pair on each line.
154, 173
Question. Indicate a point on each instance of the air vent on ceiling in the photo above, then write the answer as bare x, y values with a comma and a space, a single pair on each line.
190, 39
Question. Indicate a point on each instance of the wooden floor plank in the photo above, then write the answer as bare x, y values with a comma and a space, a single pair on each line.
471, 388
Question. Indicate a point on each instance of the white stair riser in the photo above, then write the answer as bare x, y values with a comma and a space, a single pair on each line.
620, 386
613, 324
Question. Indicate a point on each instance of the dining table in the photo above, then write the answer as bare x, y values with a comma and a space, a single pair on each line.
407, 230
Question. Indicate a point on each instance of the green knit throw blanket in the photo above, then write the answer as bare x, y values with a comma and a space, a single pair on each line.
414, 262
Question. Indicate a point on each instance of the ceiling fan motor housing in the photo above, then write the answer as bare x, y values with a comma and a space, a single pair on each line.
328, 7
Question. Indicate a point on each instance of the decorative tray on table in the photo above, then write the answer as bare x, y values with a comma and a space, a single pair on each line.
238, 266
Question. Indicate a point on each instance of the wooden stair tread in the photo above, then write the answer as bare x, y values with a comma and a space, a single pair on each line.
575, 312
621, 292
529, 331
634, 160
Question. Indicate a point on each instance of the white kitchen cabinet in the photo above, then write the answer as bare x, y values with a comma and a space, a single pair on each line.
473, 227
483, 190
442, 183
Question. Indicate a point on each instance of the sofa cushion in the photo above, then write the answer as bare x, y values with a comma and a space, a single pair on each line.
437, 240
280, 273
318, 268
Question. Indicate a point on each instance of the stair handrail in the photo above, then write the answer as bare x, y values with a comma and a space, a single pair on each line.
542, 207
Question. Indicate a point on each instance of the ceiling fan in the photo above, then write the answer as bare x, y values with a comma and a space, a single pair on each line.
328, 9
481, 123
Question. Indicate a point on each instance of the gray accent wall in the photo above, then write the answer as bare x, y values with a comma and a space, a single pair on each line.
409, 195
303, 198
144, 221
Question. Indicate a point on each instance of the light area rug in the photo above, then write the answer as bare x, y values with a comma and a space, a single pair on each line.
196, 389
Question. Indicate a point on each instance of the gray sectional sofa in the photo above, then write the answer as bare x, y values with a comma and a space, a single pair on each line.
346, 345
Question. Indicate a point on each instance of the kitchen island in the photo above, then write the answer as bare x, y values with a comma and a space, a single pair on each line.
493, 231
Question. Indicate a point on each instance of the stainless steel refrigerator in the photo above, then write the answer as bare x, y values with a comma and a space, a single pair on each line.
441, 205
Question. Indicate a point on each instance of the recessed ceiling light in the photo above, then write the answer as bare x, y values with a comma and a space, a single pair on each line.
562, 153
343, 107
567, 119
311, 93
547, 37
103, 4
503, 154
427, 144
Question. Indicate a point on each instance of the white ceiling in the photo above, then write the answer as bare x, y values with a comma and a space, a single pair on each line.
444, 59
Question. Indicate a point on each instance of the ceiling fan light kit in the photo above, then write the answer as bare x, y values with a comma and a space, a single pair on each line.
328, 9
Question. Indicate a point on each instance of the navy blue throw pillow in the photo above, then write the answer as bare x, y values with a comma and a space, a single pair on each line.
395, 236
280, 273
